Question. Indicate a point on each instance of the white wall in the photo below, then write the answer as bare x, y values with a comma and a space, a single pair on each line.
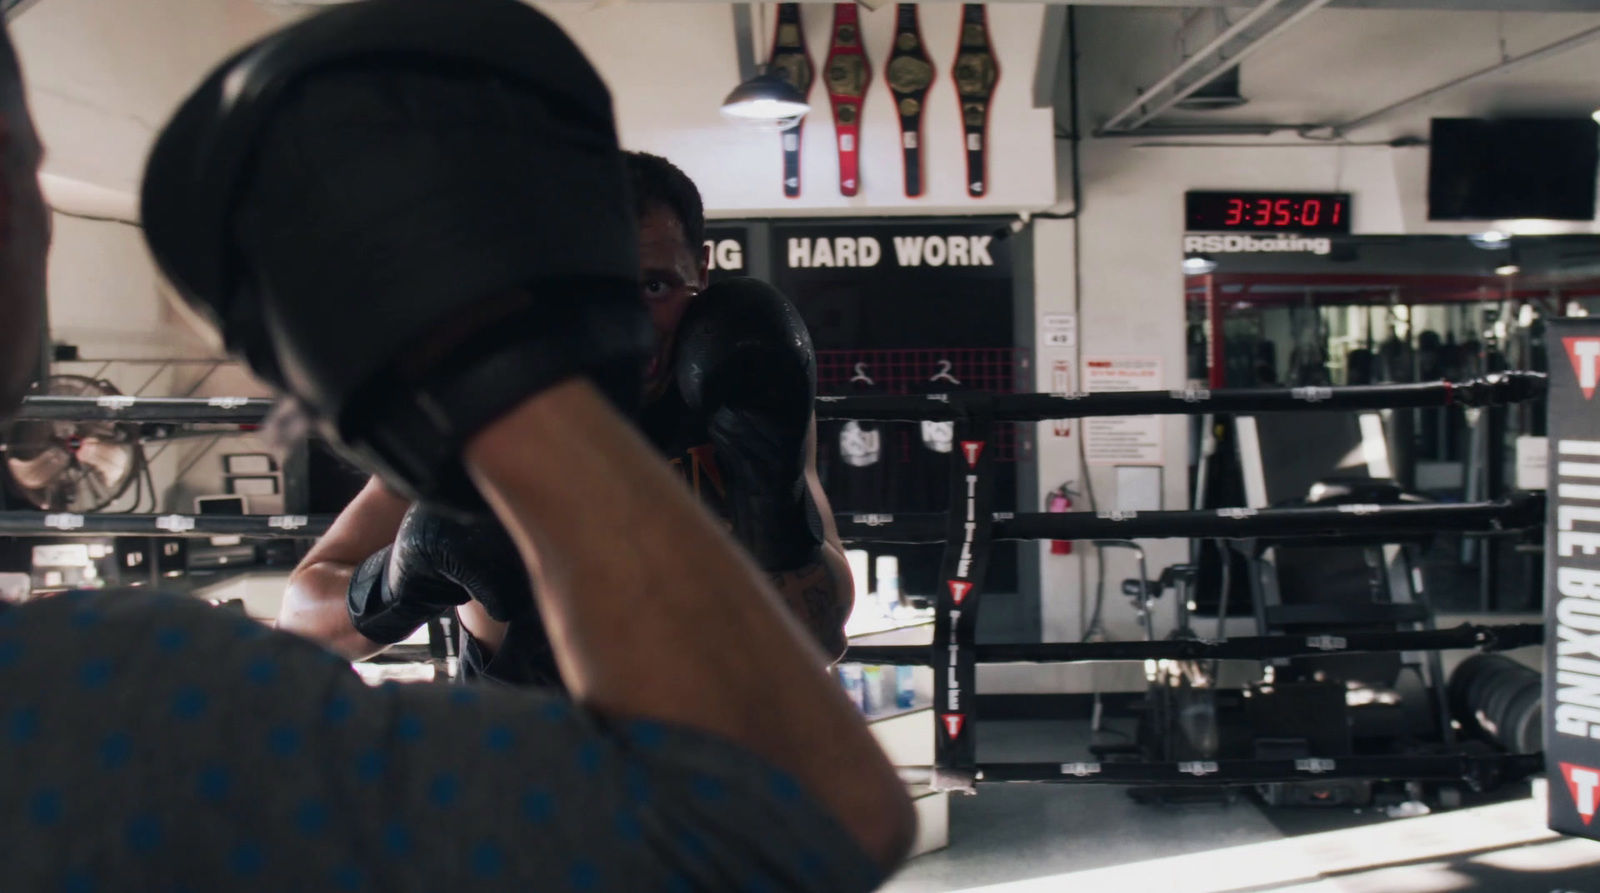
669, 65
104, 74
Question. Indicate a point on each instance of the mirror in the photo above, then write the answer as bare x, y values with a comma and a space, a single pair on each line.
1360, 310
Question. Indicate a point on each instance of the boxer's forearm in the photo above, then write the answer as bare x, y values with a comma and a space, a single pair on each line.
832, 592
314, 607
654, 612
489, 632
821, 596
314, 602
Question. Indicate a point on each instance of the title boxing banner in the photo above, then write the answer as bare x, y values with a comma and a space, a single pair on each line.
1572, 580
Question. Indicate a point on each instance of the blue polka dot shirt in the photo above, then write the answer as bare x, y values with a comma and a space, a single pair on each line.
151, 742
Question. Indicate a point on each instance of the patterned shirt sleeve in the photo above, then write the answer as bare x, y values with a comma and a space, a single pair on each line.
156, 743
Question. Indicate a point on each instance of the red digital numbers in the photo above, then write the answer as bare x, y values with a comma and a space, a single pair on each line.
1268, 212
1235, 212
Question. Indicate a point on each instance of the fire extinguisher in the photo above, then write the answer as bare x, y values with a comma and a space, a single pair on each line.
1061, 501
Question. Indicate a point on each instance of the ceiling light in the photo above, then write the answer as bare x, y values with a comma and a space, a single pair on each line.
1494, 238
765, 102
1507, 270
1198, 265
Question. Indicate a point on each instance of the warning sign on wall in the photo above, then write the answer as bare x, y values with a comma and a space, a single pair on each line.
1122, 440
1061, 382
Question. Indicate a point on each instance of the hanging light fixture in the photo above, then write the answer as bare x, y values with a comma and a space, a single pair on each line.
765, 102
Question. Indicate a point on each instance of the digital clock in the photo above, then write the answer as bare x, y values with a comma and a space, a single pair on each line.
1267, 212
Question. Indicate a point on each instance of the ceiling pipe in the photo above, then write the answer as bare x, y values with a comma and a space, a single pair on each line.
1582, 38
1145, 115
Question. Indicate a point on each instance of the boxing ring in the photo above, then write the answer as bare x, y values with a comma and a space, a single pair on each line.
972, 526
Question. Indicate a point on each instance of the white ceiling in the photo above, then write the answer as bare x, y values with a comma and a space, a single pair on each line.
1343, 63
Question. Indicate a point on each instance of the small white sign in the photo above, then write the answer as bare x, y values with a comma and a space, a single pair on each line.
1533, 457
1059, 330
1122, 440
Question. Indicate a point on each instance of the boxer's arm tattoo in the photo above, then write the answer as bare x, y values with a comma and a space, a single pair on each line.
813, 594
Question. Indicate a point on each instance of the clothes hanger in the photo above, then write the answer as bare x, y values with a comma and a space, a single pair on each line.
944, 373
861, 375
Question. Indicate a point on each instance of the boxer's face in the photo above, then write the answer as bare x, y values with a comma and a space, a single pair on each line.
24, 241
671, 273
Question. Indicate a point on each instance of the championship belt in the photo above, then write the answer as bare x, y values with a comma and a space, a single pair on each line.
792, 64
847, 75
975, 73
909, 73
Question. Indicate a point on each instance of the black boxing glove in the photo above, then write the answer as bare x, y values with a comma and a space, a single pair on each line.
744, 363
434, 565
411, 215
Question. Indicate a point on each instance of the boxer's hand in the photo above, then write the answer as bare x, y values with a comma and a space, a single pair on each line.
434, 565
744, 361
409, 252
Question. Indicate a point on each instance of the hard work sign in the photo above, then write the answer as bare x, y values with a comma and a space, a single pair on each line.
1572, 580
973, 248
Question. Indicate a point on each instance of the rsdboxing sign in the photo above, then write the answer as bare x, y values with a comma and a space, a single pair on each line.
1572, 581
1239, 244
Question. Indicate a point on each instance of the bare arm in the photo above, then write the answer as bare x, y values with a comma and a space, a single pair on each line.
314, 603
821, 594
654, 612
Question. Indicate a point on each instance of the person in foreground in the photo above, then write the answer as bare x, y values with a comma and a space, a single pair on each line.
366, 255
729, 403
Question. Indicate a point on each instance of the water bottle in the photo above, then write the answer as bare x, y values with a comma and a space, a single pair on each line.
905, 688
851, 678
888, 567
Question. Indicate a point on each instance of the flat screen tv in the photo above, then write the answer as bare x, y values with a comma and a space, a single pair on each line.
1480, 169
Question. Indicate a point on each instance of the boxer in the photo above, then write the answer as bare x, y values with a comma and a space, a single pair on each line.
750, 456
350, 200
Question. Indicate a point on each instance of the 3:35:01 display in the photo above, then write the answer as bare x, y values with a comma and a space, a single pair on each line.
1268, 212
1264, 212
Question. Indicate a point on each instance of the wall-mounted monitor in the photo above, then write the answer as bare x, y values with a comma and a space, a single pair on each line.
1480, 169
